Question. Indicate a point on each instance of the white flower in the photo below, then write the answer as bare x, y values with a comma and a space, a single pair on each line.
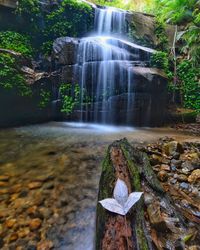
122, 202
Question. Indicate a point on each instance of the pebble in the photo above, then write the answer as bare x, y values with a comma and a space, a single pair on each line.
13, 237
176, 163
10, 223
184, 185
34, 185
23, 232
4, 178
162, 175
3, 184
165, 167
195, 176
45, 245
173, 168
35, 224
182, 177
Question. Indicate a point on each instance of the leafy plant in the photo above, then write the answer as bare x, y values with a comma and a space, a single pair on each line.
70, 18
45, 97
70, 96
159, 60
11, 76
189, 84
17, 42
161, 35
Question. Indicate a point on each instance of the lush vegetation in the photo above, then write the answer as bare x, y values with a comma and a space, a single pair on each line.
69, 18
11, 75
70, 97
39, 27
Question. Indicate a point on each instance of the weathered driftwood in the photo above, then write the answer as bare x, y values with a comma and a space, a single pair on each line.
145, 226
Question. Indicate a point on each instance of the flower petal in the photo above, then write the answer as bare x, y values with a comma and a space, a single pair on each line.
113, 206
132, 199
121, 192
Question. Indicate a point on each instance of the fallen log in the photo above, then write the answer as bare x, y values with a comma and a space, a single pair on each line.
154, 222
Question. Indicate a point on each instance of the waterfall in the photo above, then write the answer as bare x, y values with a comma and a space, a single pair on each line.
110, 20
104, 66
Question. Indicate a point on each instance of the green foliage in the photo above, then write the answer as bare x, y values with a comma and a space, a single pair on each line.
45, 97
11, 77
161, 35
189, 84
70, 96
14, 41
160, 60
70, 18
31, 7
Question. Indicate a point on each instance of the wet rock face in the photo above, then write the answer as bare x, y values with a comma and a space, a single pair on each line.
142, 28
136, 93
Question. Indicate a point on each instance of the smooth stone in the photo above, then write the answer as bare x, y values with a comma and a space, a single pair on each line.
165, 167
182, 177
195, 176
176, 163
4, 178
34, 184
13, 237
162, 176
187, 165
3, 184
35, 224
10, 223
155, 159
170, 148
184, 185
23, 232
173, 168
45, 245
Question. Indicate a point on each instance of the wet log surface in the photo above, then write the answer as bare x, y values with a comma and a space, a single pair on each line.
155, 222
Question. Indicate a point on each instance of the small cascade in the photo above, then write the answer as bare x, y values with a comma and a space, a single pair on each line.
110, 20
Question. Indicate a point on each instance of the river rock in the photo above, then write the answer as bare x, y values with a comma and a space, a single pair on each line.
165, 167
187, 165
181, 177
10, 223
195, 176
45, 245
170, 148
34, 184
176, 163
3, 184
155, 159
23, 232
162, 175
194, 247
13, 237
35, 224
4, 178
155, 217
184, 185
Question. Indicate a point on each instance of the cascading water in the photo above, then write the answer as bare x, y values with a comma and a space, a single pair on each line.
104, 66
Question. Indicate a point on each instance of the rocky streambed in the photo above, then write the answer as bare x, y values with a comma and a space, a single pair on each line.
49, 177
